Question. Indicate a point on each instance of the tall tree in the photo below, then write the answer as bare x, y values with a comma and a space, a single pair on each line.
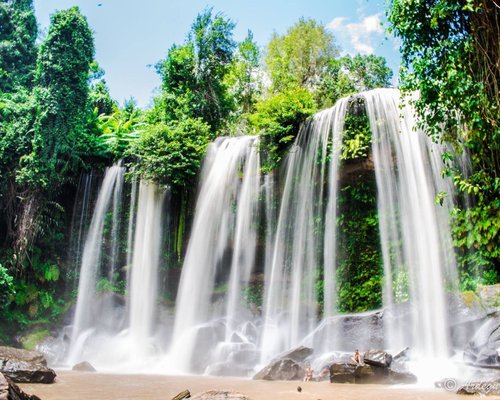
348, 75
18, 32
451, 55
193, 74
244, 78
300, 57
60, 95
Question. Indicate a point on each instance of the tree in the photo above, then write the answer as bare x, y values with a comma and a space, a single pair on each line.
193, 74
278, 119
61, 94
349, 75
300, 57
244, 79
451, 56
18, 32
172, 153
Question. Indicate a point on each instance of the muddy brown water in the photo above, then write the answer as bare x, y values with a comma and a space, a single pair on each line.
71, 385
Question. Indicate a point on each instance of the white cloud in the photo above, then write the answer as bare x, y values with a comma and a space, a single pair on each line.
336, 23
361, 35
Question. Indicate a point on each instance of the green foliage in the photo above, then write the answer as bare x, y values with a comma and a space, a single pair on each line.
100, 98
120, 130
172, 153
243, 78
299, 58
450, 55
252, 295
61, 95
30, 341
348, 75
360, 270
18, 32
193, 74
104, 285
7, 290
278, 119
357, 136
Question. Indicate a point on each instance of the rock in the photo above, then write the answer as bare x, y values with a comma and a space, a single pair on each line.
84, 366
282, 370
25, 366
351, 373
185, 394
287, 366
342, 373
378, 358
220, 395
10, 391
403, 356
482, 350
299, 354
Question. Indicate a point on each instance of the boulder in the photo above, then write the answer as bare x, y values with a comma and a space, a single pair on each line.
287, 366
482, 350
284, 369
299, 354
25, 366
84, 366
185, 394
342, 373
220, 395
377, 358
351, 373
10, 391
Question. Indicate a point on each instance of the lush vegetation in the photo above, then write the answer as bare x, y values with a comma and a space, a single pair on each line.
57, 119
450, 55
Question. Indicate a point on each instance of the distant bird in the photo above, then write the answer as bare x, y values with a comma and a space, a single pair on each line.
299, 389
99, 5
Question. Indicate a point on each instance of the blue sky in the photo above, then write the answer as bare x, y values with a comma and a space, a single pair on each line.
131, 36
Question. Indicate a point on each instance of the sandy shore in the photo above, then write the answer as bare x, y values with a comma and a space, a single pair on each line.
71, 385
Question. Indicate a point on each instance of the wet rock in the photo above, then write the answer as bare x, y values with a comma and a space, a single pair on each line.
84, 366
299, 354
25, 366
403, 356
351, 373
220, 395
185, 394
377, 358
287, 366
342, 373
10, 391
284, 369
482, 350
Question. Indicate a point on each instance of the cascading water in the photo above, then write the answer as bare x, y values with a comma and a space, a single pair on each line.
224, 232
290, 296
277, 233
415, 233
109, 331
84, 321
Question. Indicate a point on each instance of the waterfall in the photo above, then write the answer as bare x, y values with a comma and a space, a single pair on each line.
274, 236
290, 299
84, 319
416, 240
220, 253
102, 332
79, 225
143, 285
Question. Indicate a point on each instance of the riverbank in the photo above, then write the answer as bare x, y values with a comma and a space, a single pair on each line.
72, 385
